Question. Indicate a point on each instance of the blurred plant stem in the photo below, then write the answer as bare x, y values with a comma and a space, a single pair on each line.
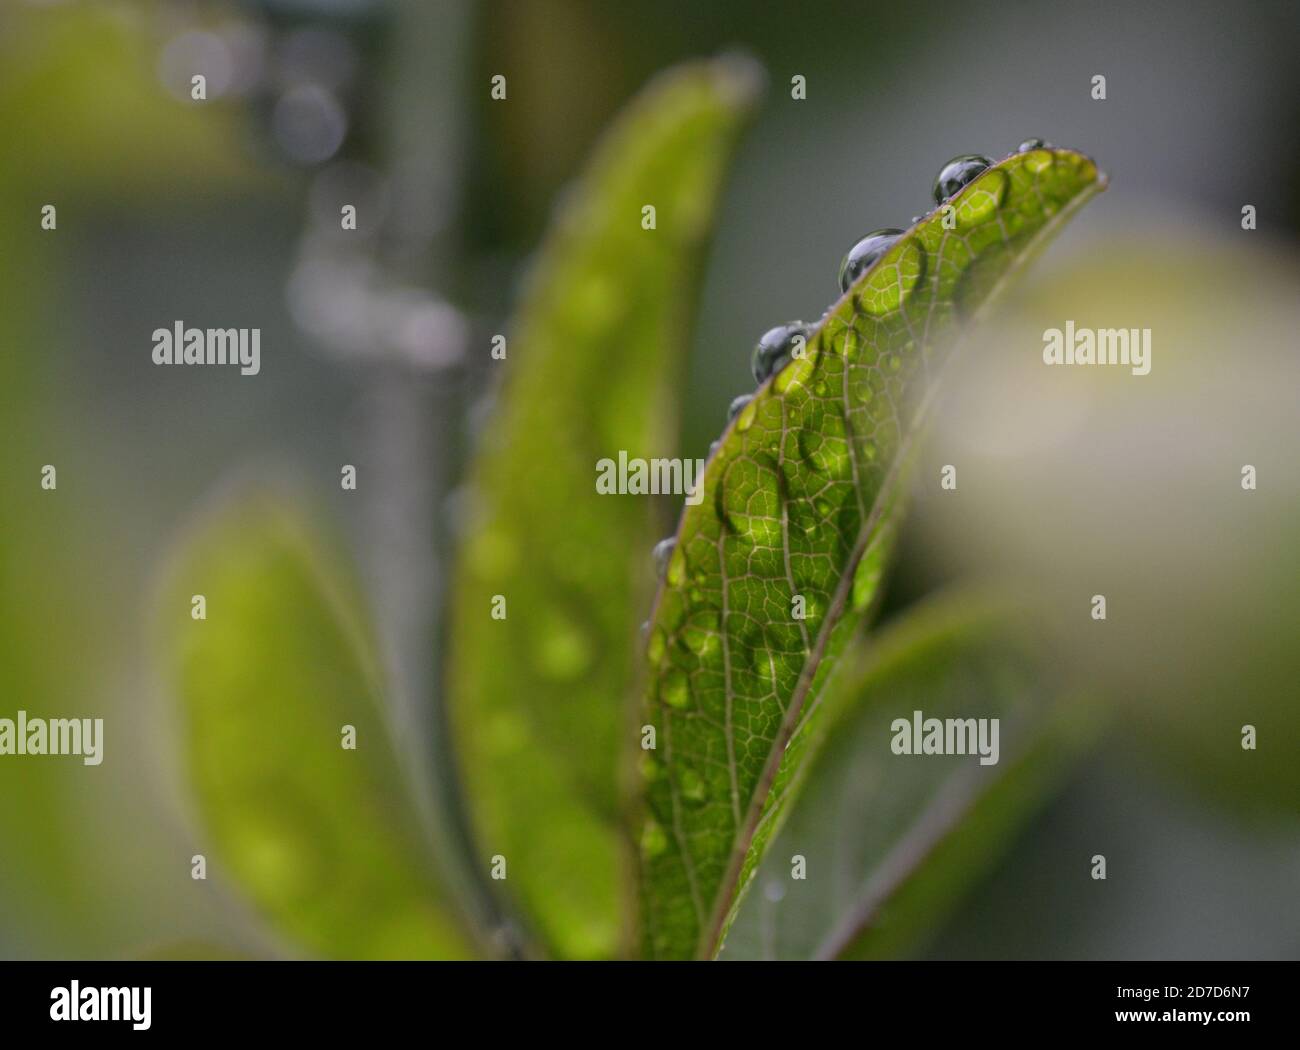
411, 415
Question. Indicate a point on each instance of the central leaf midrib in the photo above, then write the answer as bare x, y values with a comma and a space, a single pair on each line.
754, 812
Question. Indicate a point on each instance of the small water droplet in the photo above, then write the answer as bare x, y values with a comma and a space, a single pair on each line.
747, 414
775, 348
675, 575
675, 690
662, 552
713, 448
653, 839
866, 251
562, 650
1039, 160
866, 578
750, 502
738, 403
657, 649
796, 372
826, 450
691, 785
1030, 144
957, 173
701, 636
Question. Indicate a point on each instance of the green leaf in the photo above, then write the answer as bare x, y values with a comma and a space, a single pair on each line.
539, 700
324, 839
890, 842
795, 503
44, 559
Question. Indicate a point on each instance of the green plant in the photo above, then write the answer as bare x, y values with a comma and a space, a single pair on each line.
609, 846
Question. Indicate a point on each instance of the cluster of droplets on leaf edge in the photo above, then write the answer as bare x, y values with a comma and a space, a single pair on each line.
780, 345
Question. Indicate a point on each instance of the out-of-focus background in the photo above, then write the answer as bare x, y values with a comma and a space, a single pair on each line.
374, 352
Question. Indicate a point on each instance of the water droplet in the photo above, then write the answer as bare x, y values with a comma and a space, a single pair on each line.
737, 404
691, 785
675, 690
866, 251
1038, 161
657, 650
1030, 144
662, 552
866, 578
775, 348
713, 448
747, 414
796, 372
653, 839
492, 552
701, 636
774, 890
826, 450
675, 575
750, 501
562, 650
957, 173
984, 200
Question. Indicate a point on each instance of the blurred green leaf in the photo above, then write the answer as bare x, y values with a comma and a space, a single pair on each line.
891, 842
44, 607
795, 503
325, 840
83, 108
1202, 571
539, 699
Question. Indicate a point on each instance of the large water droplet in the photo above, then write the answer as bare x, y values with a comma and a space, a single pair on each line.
957, 173
866, 251
775, 348
983, 201
892, 281
662, 552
